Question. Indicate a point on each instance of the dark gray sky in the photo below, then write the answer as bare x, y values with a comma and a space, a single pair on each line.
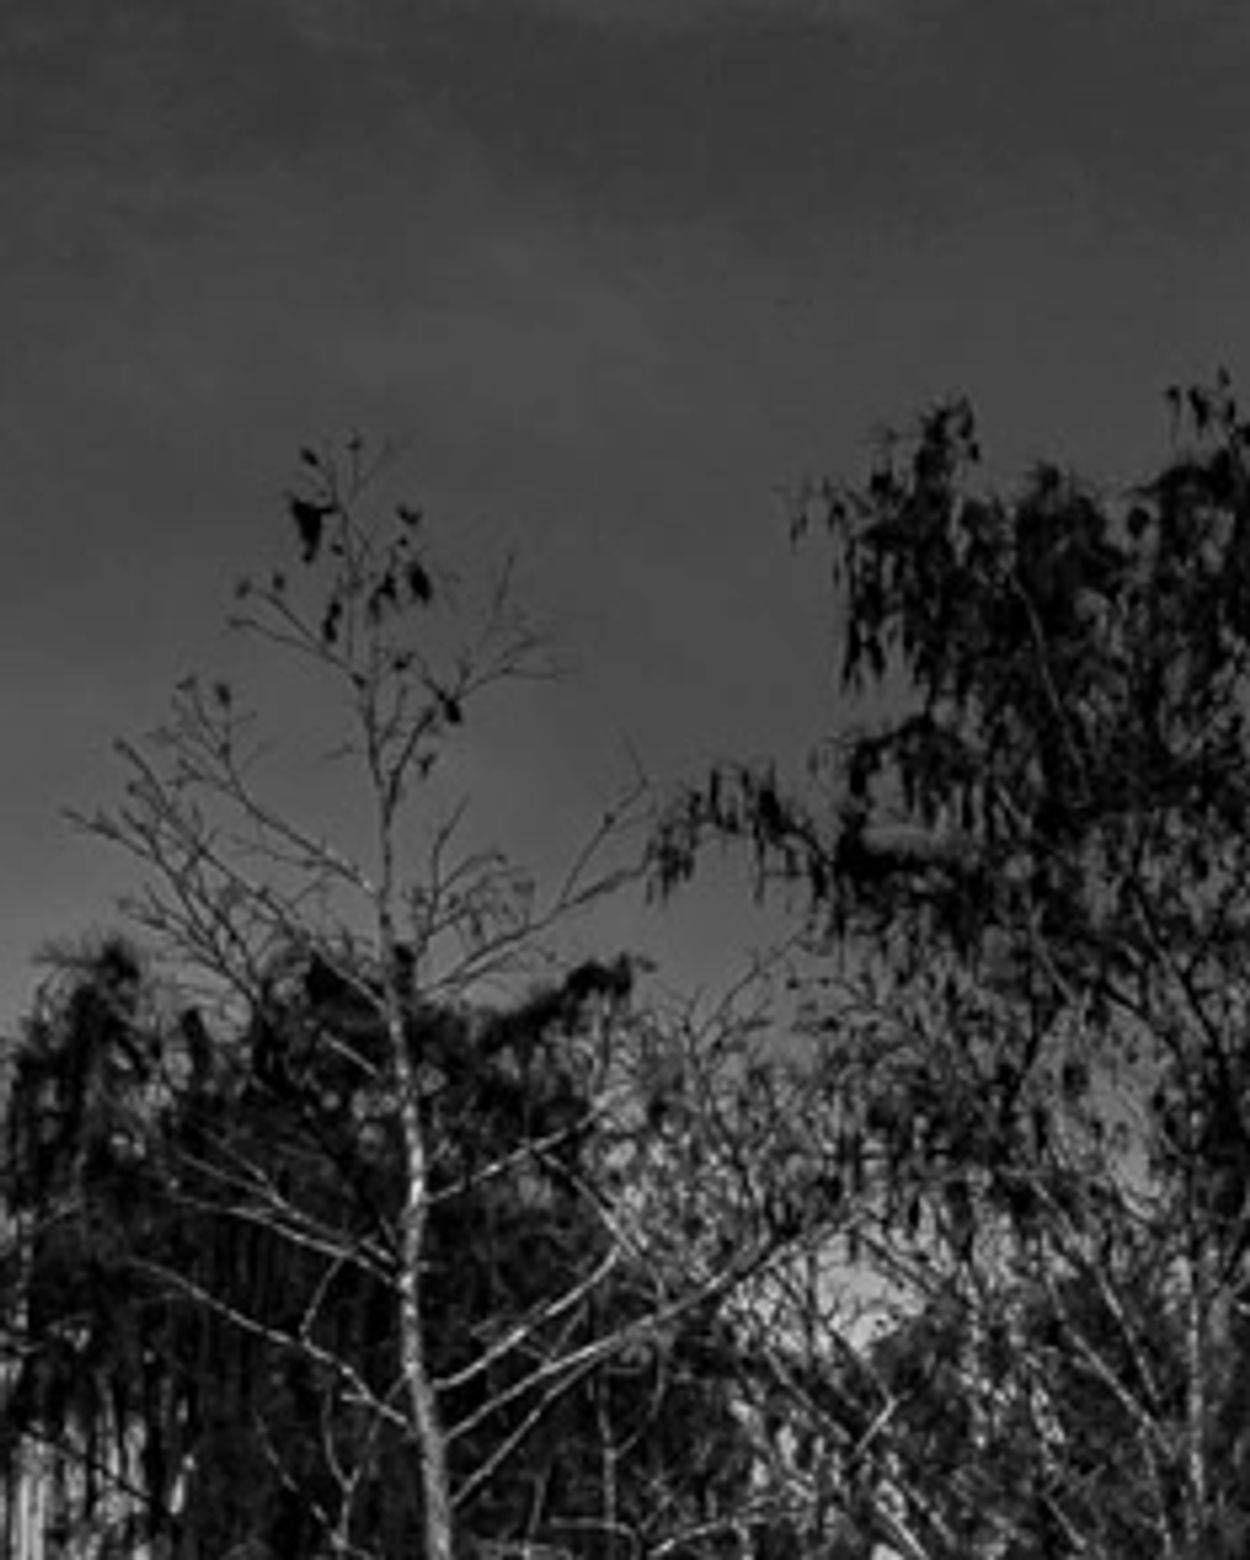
616, 270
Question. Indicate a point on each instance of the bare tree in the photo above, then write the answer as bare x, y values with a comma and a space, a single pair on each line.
235, 883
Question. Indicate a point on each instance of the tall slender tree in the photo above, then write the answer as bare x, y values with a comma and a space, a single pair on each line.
233, 874
395, 1229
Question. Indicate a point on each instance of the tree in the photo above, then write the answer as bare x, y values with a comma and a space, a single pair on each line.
392, 1222
81, 1173
213, 1361
1030, 856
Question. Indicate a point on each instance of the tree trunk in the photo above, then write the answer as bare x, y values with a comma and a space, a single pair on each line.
1196, 1401
422, 1397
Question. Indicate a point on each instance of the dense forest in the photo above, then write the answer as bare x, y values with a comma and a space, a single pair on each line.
346, 1215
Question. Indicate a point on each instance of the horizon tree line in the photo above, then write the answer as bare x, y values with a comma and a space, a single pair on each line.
375, 1226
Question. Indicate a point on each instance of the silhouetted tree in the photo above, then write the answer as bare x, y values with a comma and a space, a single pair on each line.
1025, 866
212, 1354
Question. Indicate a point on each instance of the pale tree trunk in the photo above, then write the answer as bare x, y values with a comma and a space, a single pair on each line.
422, 1398
436, 1504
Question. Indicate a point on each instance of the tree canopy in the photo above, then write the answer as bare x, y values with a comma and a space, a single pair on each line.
934, 1247
1024, 864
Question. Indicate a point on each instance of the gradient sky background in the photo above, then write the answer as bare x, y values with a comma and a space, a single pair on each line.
616, 270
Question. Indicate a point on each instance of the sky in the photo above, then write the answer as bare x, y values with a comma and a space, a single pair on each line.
614, 274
